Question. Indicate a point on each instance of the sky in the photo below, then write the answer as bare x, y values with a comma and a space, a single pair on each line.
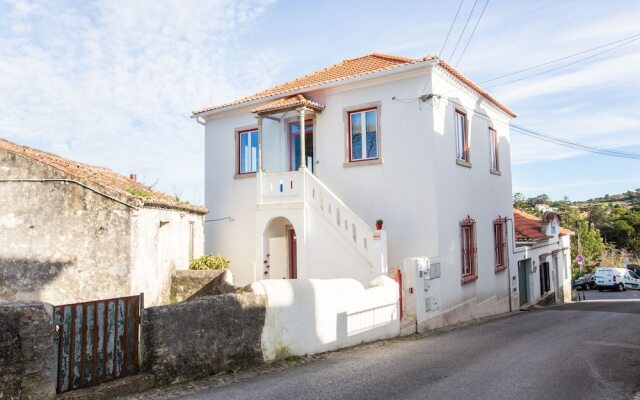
113, 83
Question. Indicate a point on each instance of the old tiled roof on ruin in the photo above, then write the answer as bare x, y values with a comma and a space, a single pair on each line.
128, 190
528, 227
347, 69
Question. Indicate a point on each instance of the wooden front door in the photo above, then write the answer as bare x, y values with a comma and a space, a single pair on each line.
522, 282
545, 284
293, 254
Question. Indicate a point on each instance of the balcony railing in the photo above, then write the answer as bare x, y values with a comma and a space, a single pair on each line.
280, 187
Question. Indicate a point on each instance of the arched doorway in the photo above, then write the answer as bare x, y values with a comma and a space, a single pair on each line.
281, 250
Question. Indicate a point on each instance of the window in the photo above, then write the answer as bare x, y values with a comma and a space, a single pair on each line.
363, 134
468, 249
462, 136
248, 151
493, 150
500, 244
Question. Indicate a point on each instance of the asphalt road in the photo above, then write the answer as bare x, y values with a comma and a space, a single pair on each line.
586, 350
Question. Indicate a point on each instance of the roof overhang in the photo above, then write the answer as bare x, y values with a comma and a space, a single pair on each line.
288, 104
330, 84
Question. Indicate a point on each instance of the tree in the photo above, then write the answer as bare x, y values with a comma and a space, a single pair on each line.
519, 201
588, 243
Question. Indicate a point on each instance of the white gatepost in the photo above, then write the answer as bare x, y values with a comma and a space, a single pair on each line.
421, 290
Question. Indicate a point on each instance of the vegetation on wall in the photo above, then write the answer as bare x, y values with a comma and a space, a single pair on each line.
607, 229
209, 262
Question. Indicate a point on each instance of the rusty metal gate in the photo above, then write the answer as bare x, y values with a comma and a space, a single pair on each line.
97, 341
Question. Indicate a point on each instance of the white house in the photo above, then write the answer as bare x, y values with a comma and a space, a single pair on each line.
410, 141
542, 251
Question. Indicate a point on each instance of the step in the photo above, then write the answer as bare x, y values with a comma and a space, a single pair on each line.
408, 326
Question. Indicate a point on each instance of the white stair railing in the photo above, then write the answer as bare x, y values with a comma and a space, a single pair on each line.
371, 244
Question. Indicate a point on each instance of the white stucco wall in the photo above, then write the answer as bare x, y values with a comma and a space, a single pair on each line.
309, 316
160, 246
560, 275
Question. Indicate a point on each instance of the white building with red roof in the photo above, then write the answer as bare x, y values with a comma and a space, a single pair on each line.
543, 256
410, 141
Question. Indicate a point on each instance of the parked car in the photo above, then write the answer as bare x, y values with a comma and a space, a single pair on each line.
616, 278
585, 282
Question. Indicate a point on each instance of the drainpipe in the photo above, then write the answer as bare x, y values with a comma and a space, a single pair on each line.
199, 120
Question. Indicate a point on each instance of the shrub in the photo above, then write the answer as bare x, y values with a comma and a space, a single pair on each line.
209, 262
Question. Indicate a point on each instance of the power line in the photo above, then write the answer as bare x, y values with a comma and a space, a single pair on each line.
559, 59
572, 144
553, 139
451, 28
565, 65
472, 33
444, 43
464, 28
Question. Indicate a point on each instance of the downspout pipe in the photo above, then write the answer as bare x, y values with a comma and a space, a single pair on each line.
199, 120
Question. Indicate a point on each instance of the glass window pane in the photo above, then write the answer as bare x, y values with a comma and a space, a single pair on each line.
356, 136
460, 136
244, 146
296, 152
254, 151
371, 126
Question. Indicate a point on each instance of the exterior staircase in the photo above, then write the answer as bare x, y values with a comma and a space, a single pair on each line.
301, 196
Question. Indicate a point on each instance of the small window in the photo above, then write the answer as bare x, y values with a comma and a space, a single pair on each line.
469, 250
462, 136
248, 151
363, 134
493, 150
500, 244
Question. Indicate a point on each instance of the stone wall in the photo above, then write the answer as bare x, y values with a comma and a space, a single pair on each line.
190, 284
201, 337
62, 243
27, 359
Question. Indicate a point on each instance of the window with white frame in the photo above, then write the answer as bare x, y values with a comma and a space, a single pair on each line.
363, 134
248, 151
462, 136
493, 150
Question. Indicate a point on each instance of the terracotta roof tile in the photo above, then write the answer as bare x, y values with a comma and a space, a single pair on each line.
527, 227
347, 69
565, 231
288, 102
127, 189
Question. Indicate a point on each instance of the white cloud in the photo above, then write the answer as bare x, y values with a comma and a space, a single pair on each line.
112, 83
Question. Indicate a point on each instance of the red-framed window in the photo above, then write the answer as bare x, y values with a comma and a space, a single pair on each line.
500, 244
493, 150
364, 135
248, 151
469, 249
462, 136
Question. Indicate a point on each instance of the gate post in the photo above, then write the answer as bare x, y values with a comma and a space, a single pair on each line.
397, 276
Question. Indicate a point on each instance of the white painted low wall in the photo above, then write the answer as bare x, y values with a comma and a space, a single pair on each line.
308, 316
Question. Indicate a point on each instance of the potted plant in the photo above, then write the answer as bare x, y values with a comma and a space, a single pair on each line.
379, 223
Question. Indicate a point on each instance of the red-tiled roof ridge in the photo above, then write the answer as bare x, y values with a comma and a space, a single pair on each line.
527, 226
351, 68
101, 178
